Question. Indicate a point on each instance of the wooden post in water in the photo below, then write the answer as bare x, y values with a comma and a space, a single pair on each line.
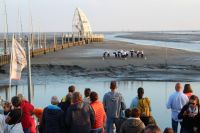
5, 46
16, 90
62, 38
45, 43
31, 43
68, 38
65, 39
78, 37
55, 42
41, 38
73, 38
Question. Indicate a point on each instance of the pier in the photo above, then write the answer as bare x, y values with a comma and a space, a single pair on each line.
48, 44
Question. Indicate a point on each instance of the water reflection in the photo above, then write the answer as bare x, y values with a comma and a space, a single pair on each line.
158, 92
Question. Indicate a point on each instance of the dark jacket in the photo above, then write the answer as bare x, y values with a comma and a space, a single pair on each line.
64, 105
80, 118
188, 122
52, 120
132, 125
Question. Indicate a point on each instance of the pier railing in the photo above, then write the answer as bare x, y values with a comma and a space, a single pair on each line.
4, 59
64, 43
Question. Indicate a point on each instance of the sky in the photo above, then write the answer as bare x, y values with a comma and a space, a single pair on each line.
104, 15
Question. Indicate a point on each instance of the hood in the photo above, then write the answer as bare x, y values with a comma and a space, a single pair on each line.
133, 123
77, 106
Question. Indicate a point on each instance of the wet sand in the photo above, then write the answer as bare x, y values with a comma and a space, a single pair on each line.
159, 63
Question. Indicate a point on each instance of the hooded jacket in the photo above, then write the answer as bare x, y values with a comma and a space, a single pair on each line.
132, 125
80, 118
52, 120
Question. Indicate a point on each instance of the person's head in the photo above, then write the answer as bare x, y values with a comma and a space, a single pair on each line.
7, 106
54, 100
128, 113
194, 101
21, 96
140, 92
87, 92
69, 98
136, 113
93, 96
71, 89
76, 97
152, 129
168, 130
187, 88
178, 87
16, 101
113, 85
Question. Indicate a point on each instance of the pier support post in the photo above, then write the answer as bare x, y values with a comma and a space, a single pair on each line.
41, 38
55, 42
32, 44
78, 37
62, 38
5, 46
73, 38
45, 43
68, 38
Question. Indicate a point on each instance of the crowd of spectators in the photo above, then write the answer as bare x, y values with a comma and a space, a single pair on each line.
77, 114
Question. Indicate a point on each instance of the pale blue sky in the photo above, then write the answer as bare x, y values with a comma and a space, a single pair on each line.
105, 15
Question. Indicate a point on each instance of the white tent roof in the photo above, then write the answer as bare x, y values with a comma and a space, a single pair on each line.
81, 24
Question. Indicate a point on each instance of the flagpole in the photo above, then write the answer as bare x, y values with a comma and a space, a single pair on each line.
6, 28
10, 80
27, 42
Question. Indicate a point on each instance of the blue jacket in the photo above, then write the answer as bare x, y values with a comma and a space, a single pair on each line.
52, 120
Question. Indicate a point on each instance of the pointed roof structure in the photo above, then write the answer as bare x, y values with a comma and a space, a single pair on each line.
81, 25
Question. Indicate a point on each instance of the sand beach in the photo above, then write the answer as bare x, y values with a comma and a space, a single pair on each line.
158, 64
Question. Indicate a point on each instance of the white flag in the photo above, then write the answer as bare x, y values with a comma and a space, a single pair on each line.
18, 60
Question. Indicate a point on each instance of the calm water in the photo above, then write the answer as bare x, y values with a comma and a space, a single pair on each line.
191, 46
158, 92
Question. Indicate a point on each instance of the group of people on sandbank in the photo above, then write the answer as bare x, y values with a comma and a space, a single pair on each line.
124, 54
77, 114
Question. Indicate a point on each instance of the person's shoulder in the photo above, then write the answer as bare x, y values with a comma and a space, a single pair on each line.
173, 95
184, 95
106, 94
63, 99
147, 98
118, 94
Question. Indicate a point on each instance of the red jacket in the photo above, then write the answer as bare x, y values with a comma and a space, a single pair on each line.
27, 109
100, 115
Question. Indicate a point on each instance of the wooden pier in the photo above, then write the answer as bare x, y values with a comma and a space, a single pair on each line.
66, 42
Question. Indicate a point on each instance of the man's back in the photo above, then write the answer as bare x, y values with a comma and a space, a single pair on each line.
80, 118
54, 119
113, 104
176, 102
